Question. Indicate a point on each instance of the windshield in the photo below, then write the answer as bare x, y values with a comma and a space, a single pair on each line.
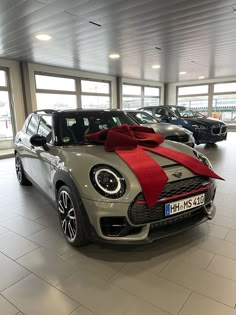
74, 126
189, 113
142, 118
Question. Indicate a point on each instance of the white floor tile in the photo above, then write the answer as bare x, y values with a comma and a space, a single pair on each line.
22, 226
35, 297
7, 308
11, 272
52, 239
200, 305
48, 266
15, 246
201, 281
223, 266
152, 288
102, 298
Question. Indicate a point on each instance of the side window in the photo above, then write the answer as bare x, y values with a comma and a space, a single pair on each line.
45, 127
26, 123
33, 125
149, 111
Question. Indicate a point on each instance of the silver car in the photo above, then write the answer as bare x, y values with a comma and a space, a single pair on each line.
98, 193
169, 131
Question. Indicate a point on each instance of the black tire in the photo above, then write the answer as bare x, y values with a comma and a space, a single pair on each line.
73, 218
20, 173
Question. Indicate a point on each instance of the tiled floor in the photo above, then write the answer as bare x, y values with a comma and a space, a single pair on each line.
193, 273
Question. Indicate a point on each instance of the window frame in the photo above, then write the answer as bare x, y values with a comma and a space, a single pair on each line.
95, 94
78, 87
142, 95
8, 89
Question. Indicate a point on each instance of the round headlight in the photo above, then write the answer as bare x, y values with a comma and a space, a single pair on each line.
201, 157
107, 181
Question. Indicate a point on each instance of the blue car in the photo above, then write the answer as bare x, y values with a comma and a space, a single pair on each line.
204, 129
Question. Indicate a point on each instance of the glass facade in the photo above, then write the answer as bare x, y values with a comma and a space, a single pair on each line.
136, 96
95, 94
6, 128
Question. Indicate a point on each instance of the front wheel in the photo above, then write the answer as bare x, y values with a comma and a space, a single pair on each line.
73, 219
22, 179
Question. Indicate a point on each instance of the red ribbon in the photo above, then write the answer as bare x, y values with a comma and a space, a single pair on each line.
131, 142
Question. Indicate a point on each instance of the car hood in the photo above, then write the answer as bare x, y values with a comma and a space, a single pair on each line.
204, 121
77, 162
166, 129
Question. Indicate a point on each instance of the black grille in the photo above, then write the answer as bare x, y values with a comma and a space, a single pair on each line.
176, 219
215, 130
180, 138
139, 213
223, 129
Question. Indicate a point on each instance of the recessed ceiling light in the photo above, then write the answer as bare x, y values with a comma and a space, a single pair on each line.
234, 11
182, 72
156, 66
201, 77
43, 37
114, 56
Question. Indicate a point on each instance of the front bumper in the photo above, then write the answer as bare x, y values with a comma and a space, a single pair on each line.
207, 136
113, 223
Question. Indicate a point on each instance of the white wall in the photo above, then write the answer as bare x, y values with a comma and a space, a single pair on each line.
172, 87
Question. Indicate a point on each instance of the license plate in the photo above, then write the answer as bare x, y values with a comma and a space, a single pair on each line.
184, 204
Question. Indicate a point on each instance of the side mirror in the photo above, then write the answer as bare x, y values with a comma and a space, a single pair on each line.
38, 141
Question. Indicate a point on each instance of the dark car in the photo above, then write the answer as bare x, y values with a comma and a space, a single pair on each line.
204, 129
102, 193
169, 131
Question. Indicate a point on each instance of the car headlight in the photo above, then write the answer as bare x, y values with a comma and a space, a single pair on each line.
203, 159
199, 127
107, 181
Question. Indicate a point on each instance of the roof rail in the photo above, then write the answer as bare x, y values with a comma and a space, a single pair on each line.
47, 111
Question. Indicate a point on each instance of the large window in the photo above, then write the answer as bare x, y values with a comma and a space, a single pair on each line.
194, 97
95, 94
136, 96
55, 92
6, 130
224, 102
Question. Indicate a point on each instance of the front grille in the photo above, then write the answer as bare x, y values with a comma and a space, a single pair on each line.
139, 213
215, 130
180, 138
223, 129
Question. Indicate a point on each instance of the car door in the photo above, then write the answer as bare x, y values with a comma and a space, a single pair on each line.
23, 142
41, 163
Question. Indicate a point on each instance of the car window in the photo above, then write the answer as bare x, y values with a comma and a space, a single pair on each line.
148, 110
24, 128
189, 113
142, 118
87, 123
45, 127
33, 125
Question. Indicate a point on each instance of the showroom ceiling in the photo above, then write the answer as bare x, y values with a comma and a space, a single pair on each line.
192, 36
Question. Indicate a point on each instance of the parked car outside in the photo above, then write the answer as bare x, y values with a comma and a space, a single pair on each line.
204, 129
169, 131
96, 170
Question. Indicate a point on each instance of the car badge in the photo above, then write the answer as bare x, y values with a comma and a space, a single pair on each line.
177, 174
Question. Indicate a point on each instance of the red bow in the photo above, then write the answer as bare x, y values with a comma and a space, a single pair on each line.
131, 142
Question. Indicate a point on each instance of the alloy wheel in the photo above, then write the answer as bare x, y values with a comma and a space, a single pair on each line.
67, 215
18, 169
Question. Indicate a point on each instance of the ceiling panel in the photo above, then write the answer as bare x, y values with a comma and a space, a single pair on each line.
194, 36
